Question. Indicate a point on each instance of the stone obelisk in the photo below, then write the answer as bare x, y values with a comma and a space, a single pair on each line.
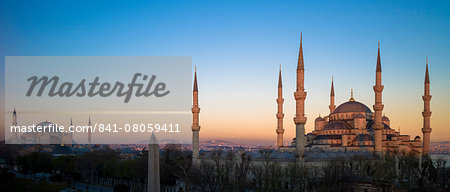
153, 179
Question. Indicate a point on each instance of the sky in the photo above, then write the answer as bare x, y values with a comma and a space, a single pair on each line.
239, 45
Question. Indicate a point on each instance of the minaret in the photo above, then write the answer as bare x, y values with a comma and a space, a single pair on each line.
332, 106
300, 96
153, 180
378, 107
15, 139
71, 134
280, 114
195, 122
89, 134
426, 130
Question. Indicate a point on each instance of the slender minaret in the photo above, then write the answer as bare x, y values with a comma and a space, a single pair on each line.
280, 114
195, 122
332, 106
15, 139
426, 130
71, 134
300, 96
89, 134
153, 179
378, 107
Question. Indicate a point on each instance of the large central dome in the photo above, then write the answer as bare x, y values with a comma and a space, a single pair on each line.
352, 106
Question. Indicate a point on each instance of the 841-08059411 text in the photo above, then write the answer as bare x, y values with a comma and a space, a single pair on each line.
101, 128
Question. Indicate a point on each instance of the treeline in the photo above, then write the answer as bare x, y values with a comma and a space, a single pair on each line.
222, 171
105, 164
231, 171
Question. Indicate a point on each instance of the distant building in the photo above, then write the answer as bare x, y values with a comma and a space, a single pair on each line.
44, 137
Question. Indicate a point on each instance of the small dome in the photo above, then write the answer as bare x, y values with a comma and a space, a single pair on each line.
359, 116
352, 106
320, 118
45, 123
363, 137
417, 138
336, 125
384, 118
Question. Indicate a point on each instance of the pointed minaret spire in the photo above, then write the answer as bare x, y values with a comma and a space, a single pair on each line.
332, 87
195, 79
195, 123
300, 64
300, 96
332, 105
280, 115
378, 58
378, 107
426, 130
15, 138
71, 122
280, 84
427, 76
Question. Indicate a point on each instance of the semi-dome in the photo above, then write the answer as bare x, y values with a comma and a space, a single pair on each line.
384, 118
336, 125
370, 126
352, 106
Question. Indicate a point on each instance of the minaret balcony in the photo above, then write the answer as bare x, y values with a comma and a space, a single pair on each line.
280, 100
280, 115
195, 110
426, 113
195, 127
280, 131
378, 88
300, 95
299, 119
426, 97
378, 107
426, 130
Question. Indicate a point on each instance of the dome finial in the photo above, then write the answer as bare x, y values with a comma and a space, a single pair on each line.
351, 98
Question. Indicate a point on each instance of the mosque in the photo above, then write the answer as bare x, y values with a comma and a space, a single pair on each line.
351, 128
45, 137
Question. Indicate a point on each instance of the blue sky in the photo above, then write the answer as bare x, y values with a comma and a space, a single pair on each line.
238, 46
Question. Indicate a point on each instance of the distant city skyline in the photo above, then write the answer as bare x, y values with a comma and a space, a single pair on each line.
238, 47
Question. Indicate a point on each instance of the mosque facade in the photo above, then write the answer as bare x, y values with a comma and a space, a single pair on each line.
352, 126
